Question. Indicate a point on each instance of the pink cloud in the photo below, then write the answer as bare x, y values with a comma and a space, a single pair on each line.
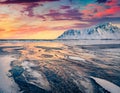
65, 7
99, 11
111, 3
107, 12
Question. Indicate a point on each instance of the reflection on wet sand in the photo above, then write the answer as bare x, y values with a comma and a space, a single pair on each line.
49, 67
7, 85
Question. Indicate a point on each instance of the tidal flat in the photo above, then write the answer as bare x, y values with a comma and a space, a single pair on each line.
75, 66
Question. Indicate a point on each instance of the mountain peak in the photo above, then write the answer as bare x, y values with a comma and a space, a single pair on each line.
108, 23
104, 24
101, 31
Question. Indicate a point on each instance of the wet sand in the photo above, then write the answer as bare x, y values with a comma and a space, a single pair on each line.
62, 68
7, 84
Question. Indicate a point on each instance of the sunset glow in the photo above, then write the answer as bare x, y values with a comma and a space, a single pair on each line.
47, 19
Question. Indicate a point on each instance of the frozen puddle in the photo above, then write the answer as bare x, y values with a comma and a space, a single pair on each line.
35, 77
76, 58
7, 85
112, 88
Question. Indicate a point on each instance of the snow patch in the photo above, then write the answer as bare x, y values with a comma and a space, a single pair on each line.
76, 58
112, 88
102, 31
35, 77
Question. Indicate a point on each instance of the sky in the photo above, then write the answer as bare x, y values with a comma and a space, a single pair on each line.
47, 19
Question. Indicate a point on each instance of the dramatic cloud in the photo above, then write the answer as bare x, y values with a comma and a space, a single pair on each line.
108, 9
70, 14
65, 7
108, 12
23, 1
37, 18
29, 9
101, 1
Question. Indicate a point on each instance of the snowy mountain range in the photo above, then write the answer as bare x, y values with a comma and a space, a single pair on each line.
101, 31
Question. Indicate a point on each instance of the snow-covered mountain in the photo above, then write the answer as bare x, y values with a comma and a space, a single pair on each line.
102, 31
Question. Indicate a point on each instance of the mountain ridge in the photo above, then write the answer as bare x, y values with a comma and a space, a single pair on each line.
101, 31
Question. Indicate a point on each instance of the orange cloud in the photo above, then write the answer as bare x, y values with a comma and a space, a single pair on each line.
26, 29
30, 29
